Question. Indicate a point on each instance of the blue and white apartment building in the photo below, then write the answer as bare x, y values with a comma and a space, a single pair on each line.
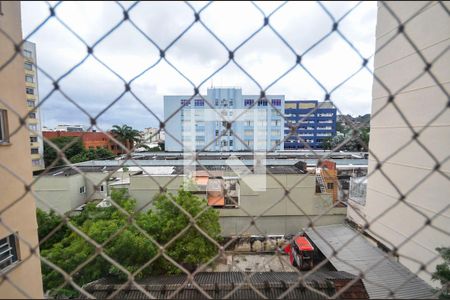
316, 121
194, 124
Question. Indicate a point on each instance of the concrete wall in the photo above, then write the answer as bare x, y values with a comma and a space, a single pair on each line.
280, 216
18, 212
62, 193
396, 65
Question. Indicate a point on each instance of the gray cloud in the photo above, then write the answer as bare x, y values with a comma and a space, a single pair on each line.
197, 54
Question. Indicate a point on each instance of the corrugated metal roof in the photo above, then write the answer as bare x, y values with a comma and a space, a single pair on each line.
219, 284
360, 255
216, 162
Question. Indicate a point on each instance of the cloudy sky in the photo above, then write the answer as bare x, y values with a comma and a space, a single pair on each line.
197, 54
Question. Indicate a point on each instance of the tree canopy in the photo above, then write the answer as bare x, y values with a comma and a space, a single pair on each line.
442, 273
355, 141
126, 135
127, 244
75, 152
50, 154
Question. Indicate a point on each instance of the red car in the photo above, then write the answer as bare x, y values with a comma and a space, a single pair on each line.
300, 253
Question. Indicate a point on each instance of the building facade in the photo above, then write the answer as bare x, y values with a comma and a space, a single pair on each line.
153, 135
411, 170
32, 100
91, 140
315, 121
71, 128
195, 124
233, 195
20, 268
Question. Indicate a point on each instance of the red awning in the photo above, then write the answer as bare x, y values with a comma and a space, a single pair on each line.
215, 200
303, 244
215, 193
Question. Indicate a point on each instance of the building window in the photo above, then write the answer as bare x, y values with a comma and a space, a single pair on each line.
217, 132
29, 91
36, 162
28, 66
231, 142
29, 78
217, 102
4, 136
199, 102
32, 115
231, 102
33, 139
8, 251
28, 53
262, 102
34, 150
275, 133
185, 102
329, 185
248, 102
82, 190
102, 188
276, 102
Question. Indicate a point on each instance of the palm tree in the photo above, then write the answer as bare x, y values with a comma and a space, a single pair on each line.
126, 135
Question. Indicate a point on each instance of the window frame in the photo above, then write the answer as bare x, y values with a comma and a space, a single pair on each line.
30, 64
4, 130
14, 256
27, 53
29, 76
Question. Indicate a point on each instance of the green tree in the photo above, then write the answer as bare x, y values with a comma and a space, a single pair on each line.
166, 220
442, 272
126, 135
47, 223
327, 143
50, 154
130, 248
354, 140
92, 154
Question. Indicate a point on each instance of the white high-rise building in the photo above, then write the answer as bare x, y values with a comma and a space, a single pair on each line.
32, 100
256, 124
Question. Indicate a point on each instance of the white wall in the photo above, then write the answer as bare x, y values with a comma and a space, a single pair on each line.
395, 65
61, 193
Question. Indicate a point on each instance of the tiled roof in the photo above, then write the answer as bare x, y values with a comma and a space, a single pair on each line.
220, 284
